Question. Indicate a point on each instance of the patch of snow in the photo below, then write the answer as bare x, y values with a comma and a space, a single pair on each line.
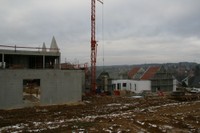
61, 121
35, 130
141, 123
111, 128
179, 113
48, 123
36, 123
128, 104
137, 97
41, 110
75, 126
124, 107
87, 101
107, 130
152, 125
18, 127
114, 104
54, 127
167, 127
57, 113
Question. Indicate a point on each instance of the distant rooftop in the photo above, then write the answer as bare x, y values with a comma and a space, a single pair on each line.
133, 72
151, 71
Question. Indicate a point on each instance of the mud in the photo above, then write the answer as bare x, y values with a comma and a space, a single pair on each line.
106, 114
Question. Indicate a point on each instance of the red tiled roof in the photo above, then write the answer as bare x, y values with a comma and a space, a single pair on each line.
132, 72
151, 71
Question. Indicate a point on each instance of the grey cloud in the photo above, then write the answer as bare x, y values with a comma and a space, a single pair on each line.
135, 31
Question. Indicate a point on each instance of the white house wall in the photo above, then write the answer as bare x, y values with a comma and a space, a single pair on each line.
135, 86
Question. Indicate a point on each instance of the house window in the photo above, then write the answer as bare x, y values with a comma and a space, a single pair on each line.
114, 86
119, 86
124, 84
135, 87
31, 90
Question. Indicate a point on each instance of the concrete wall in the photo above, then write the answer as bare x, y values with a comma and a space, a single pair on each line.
135, 86
57, 86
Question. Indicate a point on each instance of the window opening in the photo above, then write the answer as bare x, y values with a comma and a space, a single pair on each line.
124, 84
118, 86
114, 86
31, 90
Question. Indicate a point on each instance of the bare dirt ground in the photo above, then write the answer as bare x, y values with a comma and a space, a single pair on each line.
107, 114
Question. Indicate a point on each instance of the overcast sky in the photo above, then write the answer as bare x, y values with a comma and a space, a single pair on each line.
128, 31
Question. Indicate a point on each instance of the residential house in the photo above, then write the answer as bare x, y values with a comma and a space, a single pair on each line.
159, 77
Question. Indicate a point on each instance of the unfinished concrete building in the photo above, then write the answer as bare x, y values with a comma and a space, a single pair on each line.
163, 80
32, 76
104, 83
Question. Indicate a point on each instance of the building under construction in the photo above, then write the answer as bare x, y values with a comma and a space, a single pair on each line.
32, 76
159, 77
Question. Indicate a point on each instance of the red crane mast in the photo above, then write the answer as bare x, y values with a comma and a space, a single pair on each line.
93, 45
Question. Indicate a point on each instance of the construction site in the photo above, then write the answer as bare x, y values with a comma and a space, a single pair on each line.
106, 114
33, 77
39, 93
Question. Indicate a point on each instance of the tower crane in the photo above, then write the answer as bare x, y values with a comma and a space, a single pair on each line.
93, 44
